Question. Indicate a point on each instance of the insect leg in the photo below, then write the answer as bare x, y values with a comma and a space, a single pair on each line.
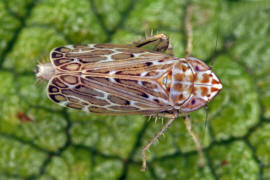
147, 146
188, 31
159, 42
195, 139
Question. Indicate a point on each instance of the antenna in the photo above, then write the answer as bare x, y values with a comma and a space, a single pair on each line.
206, 121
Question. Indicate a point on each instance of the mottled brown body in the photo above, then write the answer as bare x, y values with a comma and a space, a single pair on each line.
121, 79
127, 79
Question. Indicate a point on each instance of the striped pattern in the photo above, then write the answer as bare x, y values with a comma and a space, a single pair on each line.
121, 79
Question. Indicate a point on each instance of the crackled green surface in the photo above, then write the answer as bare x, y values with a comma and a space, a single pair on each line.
41, 140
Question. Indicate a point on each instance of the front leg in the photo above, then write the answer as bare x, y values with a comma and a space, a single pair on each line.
195, 139
159, 42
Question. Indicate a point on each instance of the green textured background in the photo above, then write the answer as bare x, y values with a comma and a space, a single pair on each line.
60, 144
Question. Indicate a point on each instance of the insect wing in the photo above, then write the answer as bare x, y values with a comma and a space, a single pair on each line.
110, 79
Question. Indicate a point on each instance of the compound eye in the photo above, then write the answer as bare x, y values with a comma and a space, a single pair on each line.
193, 104
198, 65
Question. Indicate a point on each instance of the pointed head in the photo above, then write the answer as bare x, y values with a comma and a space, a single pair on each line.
202, 85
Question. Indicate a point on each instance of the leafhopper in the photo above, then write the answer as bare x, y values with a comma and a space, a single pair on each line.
129, 79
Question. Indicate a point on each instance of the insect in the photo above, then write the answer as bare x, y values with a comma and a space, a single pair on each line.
129, 79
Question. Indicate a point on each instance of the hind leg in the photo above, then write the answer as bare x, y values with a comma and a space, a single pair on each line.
159, 43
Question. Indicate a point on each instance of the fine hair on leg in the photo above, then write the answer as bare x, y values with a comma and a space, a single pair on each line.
147, 146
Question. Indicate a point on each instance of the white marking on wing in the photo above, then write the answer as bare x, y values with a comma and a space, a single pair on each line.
91, 45
70, 46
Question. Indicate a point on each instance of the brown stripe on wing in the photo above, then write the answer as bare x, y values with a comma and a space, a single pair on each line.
98, 96
129, 89
98, 57
130, 64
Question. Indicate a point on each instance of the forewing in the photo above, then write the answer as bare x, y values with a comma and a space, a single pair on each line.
129, 79
99, 95
93, 57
